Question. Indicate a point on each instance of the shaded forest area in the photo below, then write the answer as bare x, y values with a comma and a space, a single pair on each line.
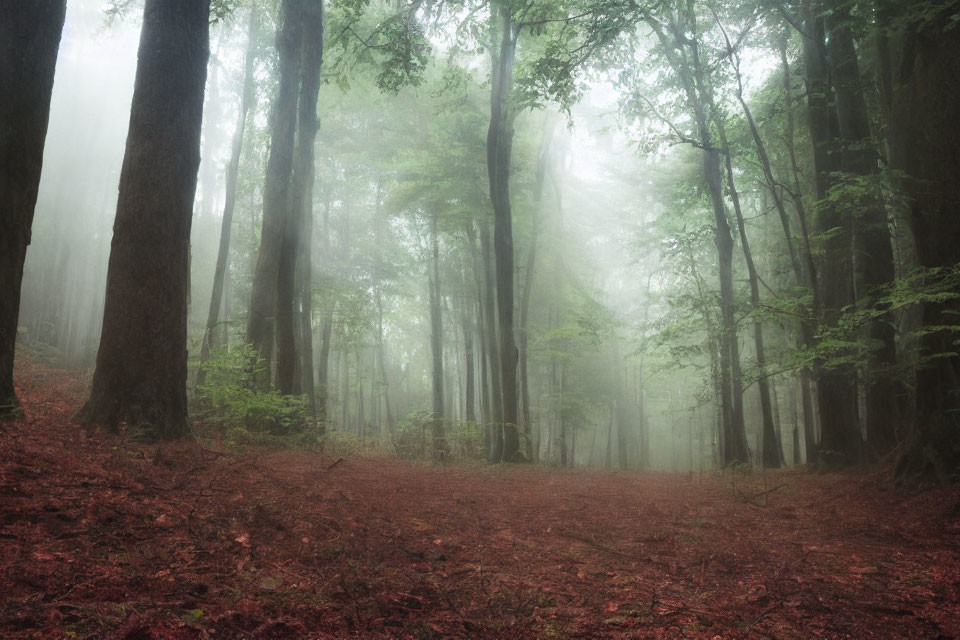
496, 318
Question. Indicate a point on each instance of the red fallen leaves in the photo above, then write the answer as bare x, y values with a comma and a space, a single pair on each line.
101, 538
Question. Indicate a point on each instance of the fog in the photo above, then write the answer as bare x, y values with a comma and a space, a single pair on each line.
619, 372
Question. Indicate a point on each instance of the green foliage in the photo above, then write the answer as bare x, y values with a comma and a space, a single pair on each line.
231, 403
413, 439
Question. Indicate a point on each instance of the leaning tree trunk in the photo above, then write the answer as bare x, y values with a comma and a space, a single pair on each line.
141, 371
29, 41
771, 454
296, 243
230, 199
499, 157
261, 327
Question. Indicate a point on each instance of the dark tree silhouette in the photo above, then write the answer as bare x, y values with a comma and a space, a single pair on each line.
29, 41
141, 369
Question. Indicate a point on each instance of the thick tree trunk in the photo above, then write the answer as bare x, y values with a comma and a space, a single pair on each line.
925, 146
873, 251
261, 319
299, 213
499, 157
141, 371
836, 389
29, 41
233, 171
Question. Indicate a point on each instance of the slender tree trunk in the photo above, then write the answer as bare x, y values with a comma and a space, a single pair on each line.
771, 455
261, 320
141, 371
233, 171
29, 41
493, 353
524, 312
499, 157
436, 341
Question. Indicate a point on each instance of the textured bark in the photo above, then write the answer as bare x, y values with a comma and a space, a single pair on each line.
261, 318
873, 251
925, 145
836, 389
29, 41
293, 287
141, 371
499, 159
233, 171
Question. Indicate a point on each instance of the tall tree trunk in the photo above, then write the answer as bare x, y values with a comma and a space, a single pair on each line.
771, 454
29, 41
495, 452
436, 340
499, 157
807, 326
836, 389
924, 142
543, 161
873, 251
141, 371
684, 56
300, 213
261, 319
233, 171
469, 392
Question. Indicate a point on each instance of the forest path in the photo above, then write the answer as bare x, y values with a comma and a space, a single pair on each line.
100, 537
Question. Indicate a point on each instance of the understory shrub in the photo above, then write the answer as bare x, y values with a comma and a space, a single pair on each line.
229, 401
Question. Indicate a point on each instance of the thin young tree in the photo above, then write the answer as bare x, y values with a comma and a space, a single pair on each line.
141, 370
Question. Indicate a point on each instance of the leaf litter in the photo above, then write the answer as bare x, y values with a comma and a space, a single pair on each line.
104, 538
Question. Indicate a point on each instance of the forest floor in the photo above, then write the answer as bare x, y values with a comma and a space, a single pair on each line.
103, 538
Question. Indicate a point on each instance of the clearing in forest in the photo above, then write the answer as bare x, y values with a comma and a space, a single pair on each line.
102, 538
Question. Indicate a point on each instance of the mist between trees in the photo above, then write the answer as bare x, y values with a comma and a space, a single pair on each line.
639, 235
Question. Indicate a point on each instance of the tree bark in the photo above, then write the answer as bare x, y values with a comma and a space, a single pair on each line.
836, 389
261, 319
141, 371
771, 454
293, 300
873, 251
436, 340
29, 41
924, 143
499, 157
